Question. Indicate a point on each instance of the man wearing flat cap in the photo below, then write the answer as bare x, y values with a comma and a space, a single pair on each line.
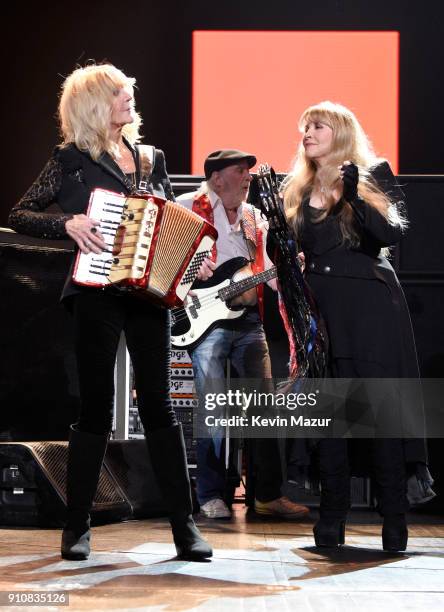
221, 200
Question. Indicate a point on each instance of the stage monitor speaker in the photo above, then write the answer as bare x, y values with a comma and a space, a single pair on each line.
33, 484
38, 378
131, 467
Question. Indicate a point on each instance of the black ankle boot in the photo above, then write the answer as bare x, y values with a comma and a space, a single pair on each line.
329, 532
166, 448
85, 458
394, 533
76, 538
188, 540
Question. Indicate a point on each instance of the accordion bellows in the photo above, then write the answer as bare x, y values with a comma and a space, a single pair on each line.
156, 246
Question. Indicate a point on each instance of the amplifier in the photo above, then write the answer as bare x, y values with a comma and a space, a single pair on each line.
33, 484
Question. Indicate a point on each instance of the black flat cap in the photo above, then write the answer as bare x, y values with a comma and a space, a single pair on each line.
217, 160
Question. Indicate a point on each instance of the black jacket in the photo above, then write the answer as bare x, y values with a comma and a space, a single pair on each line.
361, 300
327, 253
361, 317
67, 180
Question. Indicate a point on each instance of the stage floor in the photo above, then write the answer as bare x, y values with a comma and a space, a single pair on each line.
257, 565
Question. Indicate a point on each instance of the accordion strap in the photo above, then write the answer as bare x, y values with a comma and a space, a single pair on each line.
147, 155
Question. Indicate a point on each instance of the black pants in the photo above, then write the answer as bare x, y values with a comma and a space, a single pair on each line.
388, 473
266, 474
99, 319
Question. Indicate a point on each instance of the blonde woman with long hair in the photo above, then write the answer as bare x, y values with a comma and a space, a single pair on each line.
345, 208
100, 132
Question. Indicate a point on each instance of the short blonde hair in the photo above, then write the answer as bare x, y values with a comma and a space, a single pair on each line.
85, 108
349, 143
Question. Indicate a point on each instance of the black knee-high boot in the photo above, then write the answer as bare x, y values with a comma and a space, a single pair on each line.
166, 448
335, 492
85, 458
390, 481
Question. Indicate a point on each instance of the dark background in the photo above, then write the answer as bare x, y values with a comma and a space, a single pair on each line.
43, 41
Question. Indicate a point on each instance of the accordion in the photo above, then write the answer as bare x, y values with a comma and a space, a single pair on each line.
154, 247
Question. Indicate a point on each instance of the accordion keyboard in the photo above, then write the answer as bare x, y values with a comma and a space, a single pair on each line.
107, 208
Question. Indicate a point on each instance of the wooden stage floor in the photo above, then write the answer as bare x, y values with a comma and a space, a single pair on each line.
257, 565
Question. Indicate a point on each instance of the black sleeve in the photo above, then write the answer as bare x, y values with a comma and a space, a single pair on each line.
27, 216
370, 219
160, 175
386, 181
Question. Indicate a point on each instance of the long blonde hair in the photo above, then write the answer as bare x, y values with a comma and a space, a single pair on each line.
349, 143
85, 109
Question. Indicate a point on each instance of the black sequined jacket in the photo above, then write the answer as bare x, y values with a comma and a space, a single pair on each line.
67, 180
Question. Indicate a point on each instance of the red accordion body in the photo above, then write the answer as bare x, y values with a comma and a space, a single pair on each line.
154, 247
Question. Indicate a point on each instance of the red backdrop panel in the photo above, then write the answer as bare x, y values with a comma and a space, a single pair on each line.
250, 88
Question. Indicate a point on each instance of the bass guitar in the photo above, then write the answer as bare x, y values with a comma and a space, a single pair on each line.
214, 300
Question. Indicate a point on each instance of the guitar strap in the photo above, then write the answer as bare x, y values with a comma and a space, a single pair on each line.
254, 233
202, 207
251, 231
147, 155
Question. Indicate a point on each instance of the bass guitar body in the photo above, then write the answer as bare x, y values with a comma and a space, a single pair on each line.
207, 306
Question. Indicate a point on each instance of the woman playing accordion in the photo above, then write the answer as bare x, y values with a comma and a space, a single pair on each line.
100, 131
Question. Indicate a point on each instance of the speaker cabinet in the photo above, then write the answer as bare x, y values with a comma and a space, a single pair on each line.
38, 379
33, 484
129, 463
